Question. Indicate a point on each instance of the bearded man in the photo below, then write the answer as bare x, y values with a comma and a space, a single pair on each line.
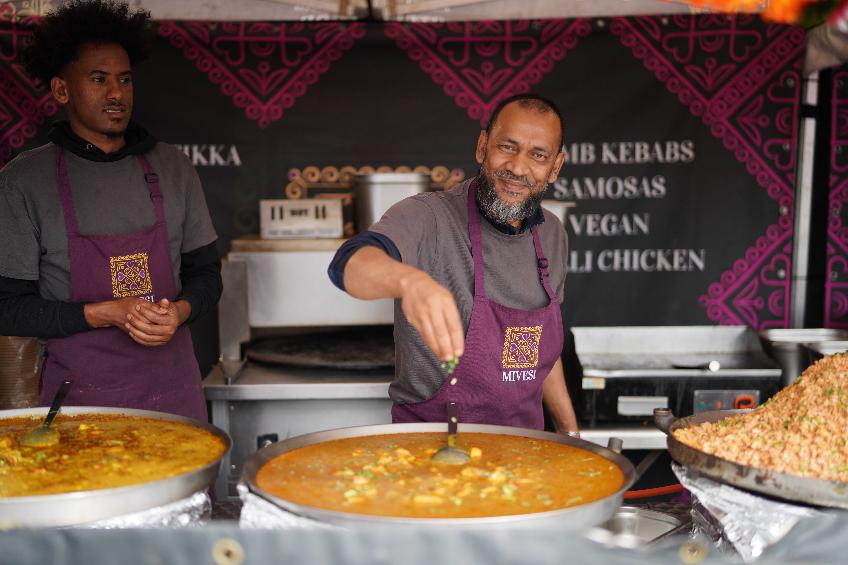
478, 274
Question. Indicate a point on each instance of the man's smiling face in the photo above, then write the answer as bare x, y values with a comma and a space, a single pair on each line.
518, 158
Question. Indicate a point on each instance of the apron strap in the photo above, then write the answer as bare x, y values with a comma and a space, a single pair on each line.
65, 196
475, 234
67, 200
152, 180
542, 264
476, 237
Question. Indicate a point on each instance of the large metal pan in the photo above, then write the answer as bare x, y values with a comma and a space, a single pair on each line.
817, 492
580, 517
88, 506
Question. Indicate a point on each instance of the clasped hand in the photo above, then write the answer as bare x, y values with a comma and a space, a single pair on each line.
151, 324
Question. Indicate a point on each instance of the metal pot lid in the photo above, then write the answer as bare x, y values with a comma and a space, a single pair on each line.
585, 514
81, 507
806, 490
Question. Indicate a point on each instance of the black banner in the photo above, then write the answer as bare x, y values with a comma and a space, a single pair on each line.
680, 133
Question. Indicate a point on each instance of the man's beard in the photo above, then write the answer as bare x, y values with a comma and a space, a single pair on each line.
504, 212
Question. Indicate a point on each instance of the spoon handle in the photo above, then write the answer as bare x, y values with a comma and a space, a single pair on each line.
453, 422
57, 402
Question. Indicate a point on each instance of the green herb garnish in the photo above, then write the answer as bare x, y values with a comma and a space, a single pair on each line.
451, 365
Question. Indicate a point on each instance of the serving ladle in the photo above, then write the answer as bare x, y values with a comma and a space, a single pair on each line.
451, 454
44, 435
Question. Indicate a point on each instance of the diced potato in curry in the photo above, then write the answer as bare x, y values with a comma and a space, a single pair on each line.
99, 451
506, 475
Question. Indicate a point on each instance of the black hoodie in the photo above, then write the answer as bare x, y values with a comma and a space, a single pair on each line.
137, 141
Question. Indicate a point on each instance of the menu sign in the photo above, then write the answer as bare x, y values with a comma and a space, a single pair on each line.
613, 224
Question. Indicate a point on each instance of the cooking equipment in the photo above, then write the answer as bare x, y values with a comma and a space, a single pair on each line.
375, 193
301, 218
361, 349
786, 346
633, 527
630, 371
44, 435
572, 518
816, 350
451, 454
284, 283
88, 506
818, 492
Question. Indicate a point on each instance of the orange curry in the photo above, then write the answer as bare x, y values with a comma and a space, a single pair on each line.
97, 451
392, 475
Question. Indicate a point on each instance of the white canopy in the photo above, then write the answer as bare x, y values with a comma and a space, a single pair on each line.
419, 10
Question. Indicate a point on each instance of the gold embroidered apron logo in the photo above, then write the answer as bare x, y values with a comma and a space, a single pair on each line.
130, 275
521, 347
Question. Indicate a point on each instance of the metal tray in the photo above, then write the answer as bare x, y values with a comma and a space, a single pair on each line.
816, 492
580, 517
88, 506
632, 527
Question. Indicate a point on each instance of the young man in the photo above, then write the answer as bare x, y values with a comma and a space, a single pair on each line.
108, 245
478, 272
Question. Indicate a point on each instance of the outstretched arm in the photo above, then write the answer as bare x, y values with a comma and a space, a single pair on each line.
431, 309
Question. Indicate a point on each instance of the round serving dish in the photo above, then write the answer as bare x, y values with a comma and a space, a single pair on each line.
81, 507
579, 518
806, 490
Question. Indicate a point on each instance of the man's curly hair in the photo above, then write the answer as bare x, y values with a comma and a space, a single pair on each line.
57, 39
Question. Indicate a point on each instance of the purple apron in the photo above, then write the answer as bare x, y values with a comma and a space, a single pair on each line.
107, 367
508, 353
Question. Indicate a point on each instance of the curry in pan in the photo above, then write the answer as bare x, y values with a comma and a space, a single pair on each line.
802, 430
392, 475
99, 451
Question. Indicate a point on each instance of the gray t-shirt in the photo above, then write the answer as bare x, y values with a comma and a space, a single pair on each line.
431, 232
110, 198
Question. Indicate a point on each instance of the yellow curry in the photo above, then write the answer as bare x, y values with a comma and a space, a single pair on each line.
392, 475
97, 451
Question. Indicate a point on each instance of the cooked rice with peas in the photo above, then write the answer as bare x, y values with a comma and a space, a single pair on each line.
802, 430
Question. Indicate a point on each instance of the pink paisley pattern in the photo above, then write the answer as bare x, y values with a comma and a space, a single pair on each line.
24, 104
264, 67
836, 281
742, 78
479, 64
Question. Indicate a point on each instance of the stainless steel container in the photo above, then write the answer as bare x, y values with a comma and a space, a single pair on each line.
576, 518
88, 506
284, 283
633, 527
376, 192
817, 350
786, 346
